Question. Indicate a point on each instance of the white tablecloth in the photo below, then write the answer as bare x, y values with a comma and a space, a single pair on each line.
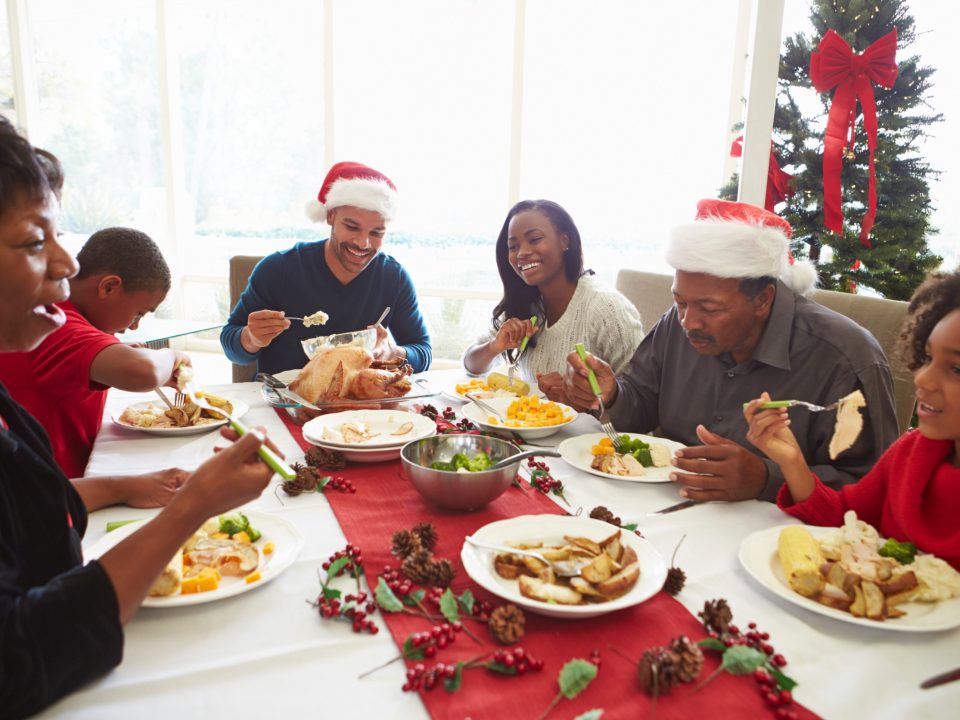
265, 653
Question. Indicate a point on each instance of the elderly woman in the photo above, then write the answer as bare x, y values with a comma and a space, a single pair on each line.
540, 259
60, 620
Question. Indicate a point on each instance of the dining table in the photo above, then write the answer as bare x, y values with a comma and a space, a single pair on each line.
268, 653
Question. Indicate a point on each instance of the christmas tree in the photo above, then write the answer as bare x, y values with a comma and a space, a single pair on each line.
899, 258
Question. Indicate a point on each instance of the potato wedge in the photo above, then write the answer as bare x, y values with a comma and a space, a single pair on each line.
545, 592
586, 543
629, 556
509, 570
621, 582
612, 546
875, 604
598, 571
584, 588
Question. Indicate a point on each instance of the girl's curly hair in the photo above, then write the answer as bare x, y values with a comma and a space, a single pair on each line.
938, 296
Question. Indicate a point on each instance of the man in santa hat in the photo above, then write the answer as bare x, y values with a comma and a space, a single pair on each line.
345, 277
740, 325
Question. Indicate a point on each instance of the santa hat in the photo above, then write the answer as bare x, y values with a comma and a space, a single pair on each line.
739, 240
354, 184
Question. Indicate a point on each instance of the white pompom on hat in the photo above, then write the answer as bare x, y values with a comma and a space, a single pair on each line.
739, 240
356, 185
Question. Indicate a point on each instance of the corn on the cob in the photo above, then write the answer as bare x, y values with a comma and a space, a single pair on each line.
800, 558
499, 381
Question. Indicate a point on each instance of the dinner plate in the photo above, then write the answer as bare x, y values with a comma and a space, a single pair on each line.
287, 543
374, 455
450, 390
239, 409
381, 423
758, 555
576, 452
478, 563
476, 414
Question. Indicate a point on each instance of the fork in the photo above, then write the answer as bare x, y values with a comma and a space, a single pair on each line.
486, 408
796, 403
605, 423
512, 367
179, 399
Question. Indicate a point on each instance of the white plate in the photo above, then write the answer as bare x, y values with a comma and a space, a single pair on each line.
576, 452
380, 422
758, 555
239, 409
450, 390
373, 455
478, 563
285, 537
475, 413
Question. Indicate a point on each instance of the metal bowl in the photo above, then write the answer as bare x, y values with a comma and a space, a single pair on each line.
358, 338
458, 490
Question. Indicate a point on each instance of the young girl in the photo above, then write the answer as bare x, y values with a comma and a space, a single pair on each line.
540, 259
913, 492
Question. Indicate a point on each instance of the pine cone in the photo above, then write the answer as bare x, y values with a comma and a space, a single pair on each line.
305, 481
404, 544
716, 616
602, 513
441, 573
426, 533
418, 567
506, 624
326, 459
689, 658
657, 671
676, 578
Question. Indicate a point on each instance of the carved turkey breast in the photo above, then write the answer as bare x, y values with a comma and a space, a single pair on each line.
351, 373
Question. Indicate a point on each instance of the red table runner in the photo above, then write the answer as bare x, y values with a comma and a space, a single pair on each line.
385, 502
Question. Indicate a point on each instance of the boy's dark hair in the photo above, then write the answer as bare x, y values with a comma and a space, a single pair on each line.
937, 297
26, 173
128, 253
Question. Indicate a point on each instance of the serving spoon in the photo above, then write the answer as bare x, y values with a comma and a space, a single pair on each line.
563, 568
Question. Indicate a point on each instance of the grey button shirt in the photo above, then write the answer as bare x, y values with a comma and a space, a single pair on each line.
807, 352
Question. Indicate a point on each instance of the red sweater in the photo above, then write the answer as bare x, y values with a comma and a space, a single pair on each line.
911, 494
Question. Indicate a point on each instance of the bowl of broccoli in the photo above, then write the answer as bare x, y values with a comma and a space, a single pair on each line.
452, 471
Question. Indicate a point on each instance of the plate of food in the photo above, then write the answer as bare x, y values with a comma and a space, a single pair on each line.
368, 429
647, 459
494, 385
528, 416
618, 568
813, 568
227, 556
155, 418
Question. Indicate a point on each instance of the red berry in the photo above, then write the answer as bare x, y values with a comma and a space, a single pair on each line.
779, 660
767, 648
430, 651
786, 697
772, 698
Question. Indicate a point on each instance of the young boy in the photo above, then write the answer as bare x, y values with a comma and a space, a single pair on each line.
64, 382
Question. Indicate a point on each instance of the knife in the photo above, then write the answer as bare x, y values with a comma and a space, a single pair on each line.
941, 679
673, 508
284, 390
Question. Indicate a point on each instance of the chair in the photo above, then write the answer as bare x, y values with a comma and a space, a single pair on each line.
651, 294
240, 268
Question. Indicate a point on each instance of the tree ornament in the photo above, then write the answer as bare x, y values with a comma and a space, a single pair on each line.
507, 624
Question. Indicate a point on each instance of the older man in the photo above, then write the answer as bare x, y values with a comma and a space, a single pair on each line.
345, 276
740, 326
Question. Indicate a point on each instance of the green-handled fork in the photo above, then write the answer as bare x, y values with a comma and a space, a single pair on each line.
512, 367
604, 418
773, 404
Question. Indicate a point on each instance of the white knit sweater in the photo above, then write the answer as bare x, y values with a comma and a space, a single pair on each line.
598, 316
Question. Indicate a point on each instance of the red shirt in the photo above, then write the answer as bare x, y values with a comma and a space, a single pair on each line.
53, 384
911, 494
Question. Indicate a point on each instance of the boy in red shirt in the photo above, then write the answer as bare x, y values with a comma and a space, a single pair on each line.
64, 382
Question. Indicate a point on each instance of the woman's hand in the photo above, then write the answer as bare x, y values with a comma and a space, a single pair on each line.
511, 334
551, 384
769, 431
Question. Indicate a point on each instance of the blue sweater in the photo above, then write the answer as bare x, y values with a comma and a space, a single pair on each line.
299, 282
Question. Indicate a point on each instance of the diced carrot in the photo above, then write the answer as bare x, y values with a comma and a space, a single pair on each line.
253, 577
268, 548
241, 537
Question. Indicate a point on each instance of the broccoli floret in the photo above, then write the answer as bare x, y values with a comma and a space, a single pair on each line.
643, 456
441, 465
902, 552
481, 461
236, 523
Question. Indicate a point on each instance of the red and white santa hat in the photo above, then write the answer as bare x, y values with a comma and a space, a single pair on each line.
739, 240
356, 185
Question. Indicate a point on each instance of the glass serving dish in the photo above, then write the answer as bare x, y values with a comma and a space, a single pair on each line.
358, 338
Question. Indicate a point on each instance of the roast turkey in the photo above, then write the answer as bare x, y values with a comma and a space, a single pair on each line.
351, 373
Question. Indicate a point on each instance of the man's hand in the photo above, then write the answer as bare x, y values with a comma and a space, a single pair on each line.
262, 327
386, 349
727, 470
576, 383
552, 386
153, 489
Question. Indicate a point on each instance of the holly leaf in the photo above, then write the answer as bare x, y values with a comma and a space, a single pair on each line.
448, 606
784, 682
631, 527
741, 660
386, 598
499, 667
452, 684
712, 644
322, 483
413, 598
575, 676
331, 593
594, 714
467, 601
410, 651
336, 566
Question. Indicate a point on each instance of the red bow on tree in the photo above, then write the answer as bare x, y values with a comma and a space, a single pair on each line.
778, 181
836, 65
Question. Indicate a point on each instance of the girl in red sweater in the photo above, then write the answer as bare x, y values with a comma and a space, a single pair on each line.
913, 492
